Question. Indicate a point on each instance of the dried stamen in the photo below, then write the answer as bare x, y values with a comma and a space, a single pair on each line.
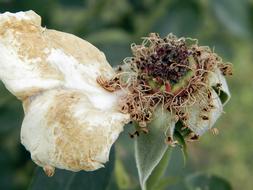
168, 72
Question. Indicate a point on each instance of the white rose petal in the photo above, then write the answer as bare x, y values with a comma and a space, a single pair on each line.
70, 121
62, 128
196, 113
217, 78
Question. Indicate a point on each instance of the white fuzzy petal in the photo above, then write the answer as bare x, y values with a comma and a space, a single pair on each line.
196, 123
34, 59
22, 66
70, 121
223, 91
63, 129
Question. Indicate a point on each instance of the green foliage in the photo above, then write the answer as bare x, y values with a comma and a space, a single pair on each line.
122, 177
153, 182
181, 142
151, 147
207, 182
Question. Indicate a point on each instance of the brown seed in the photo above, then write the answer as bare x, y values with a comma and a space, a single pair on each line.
131, 135
194, 137
124, 108
218, 85
204, 117
209, 94
168, 140
206, 109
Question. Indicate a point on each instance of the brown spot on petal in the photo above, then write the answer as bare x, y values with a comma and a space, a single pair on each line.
31, 43
75, 46
77, 142
23, 95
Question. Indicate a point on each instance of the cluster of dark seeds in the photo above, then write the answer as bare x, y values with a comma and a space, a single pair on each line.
166, 58
168, 72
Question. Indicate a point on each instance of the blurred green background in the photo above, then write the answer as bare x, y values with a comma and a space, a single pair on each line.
112, 25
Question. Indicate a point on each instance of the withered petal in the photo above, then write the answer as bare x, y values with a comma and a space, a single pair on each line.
200, 120
70, 121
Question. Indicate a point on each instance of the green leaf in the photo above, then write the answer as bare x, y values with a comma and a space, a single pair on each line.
159, 171
67, 180
122, 178
180, 139
166, 182
202, 181
150, 148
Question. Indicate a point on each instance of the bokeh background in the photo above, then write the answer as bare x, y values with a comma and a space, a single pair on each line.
112, 25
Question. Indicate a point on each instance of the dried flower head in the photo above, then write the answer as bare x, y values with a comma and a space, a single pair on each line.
177, 73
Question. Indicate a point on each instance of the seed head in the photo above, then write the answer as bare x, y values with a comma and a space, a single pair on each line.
169, 72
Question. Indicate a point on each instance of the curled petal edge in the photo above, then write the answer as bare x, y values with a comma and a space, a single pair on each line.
200, 120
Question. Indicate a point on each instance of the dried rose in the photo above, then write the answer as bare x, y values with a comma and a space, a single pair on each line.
174, 90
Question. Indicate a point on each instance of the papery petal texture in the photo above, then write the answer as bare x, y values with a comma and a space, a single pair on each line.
63, 129
196, 121
217, 78
70, 121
